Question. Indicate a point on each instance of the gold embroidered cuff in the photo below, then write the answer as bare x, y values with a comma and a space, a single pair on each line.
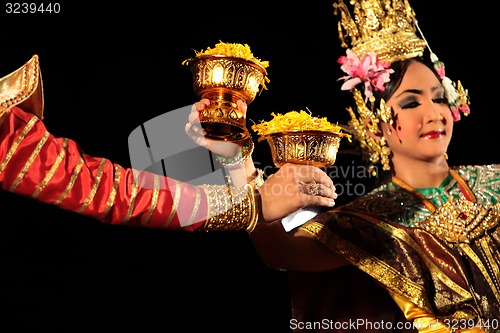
230, 208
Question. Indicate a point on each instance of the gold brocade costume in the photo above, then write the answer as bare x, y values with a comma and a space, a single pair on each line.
441, 268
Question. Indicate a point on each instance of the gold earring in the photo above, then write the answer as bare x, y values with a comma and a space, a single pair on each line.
446, 156
385, 152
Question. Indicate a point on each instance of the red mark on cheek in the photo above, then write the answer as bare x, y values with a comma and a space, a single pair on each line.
397, 126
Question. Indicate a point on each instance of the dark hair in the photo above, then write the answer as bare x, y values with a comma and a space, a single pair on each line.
400, 68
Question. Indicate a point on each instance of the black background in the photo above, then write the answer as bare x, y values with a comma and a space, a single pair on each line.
108, 68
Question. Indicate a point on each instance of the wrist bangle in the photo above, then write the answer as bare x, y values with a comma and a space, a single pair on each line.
243, 155
254, 215
258, 181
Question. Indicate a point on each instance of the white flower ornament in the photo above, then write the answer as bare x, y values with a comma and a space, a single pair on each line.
458, 100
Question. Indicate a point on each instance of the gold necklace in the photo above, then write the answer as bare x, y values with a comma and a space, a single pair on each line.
462, 184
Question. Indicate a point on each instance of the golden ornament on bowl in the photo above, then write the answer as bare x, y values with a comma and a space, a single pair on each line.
297, 137
224, 75
317, 148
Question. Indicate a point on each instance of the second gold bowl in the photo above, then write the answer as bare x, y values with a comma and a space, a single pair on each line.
318, 148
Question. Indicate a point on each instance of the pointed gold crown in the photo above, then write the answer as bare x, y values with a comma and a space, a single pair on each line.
386, 27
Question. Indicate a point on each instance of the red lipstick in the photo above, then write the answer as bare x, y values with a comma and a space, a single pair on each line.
432, 135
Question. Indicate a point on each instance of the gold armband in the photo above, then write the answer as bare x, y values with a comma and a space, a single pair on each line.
230, 208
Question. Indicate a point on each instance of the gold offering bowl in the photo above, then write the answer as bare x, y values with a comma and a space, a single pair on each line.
224, 80
318, 148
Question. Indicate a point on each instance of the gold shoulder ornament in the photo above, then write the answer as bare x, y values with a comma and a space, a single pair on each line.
24, 88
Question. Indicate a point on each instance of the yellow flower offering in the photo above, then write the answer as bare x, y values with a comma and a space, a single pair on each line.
296, 121
234, 50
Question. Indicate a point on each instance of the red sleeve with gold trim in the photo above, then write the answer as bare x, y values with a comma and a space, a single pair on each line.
53, 170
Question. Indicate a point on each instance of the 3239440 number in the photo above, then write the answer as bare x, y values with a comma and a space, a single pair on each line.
32, 8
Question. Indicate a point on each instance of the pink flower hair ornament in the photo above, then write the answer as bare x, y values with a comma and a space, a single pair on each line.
367, 70
374, 74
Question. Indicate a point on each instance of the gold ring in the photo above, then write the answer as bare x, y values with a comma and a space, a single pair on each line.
312, 188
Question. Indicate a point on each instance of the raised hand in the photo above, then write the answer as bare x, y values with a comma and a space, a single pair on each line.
194, 131
285, 191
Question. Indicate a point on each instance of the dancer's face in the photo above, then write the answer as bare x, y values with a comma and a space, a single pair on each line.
423, 123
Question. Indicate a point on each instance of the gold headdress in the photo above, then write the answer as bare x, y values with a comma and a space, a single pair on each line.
376, 34
382, 26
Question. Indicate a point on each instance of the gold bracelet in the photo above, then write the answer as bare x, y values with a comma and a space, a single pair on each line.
243, 155
230, 208
258, 181
254, 216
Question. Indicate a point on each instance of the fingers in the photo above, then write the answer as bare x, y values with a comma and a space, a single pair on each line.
205, 102
319, 201
318, 195
315, 194
200, 105
193, 127
194, 117
198, 139
242, 106
293, 187
305, 173
316, 189
315, 186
